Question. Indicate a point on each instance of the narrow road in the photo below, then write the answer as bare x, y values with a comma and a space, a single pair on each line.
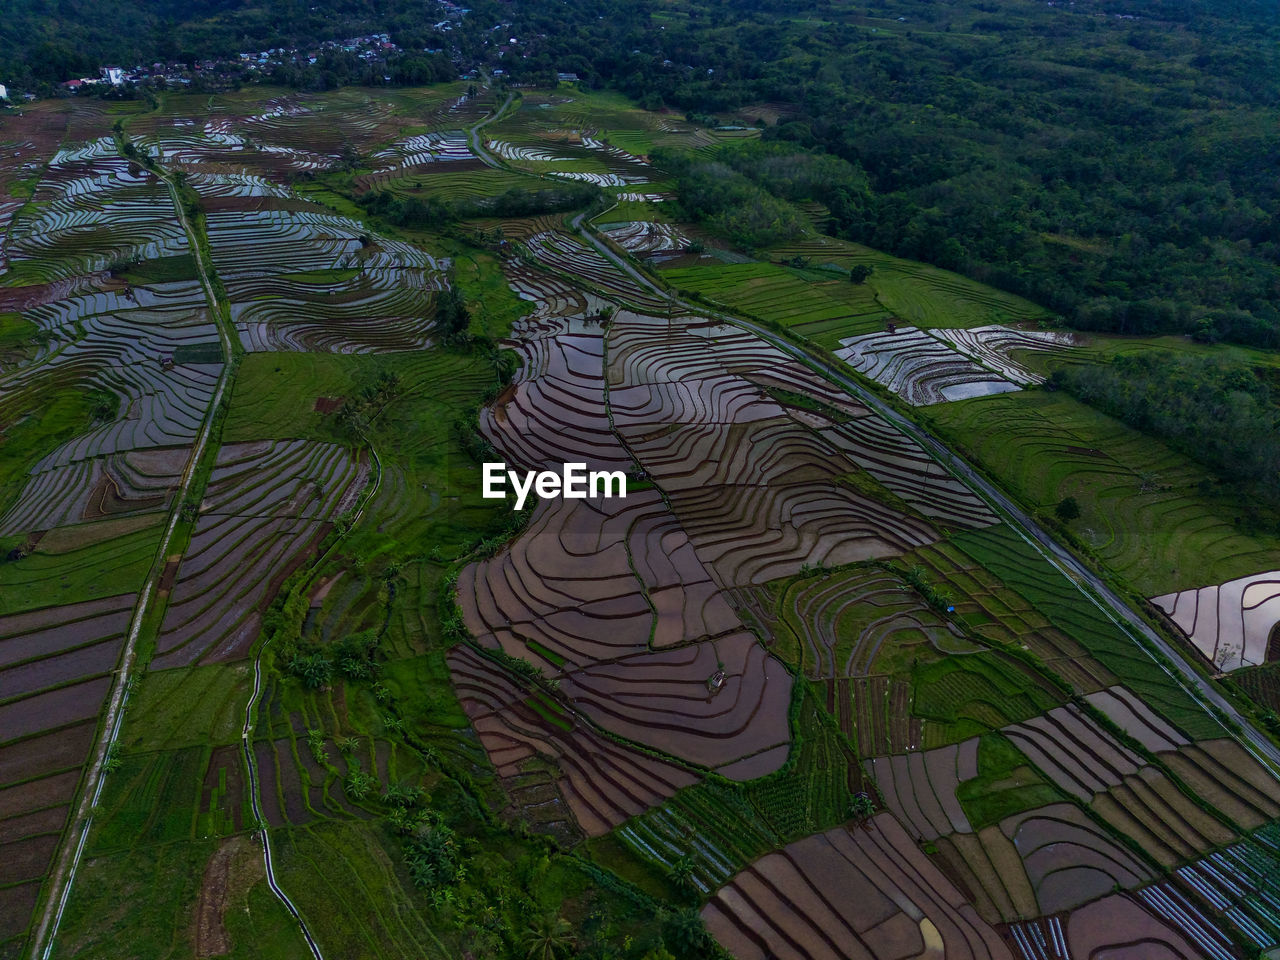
1092, 587
64, 874
474, 135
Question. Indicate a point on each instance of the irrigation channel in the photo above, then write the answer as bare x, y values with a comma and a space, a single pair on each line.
1091, 586
247, 744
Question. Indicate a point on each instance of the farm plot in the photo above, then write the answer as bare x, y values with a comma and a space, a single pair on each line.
356, 311
645, 238
866, 893
906, 470
958, 696
92, 209
260, 243
712, 703
569, 595
54, 677
555, 410
415, 155
1068, 858
267, 505
840, 622
1142, 506
1223, 773
920, 788
1135, 798
1077, 754
554, 300
813, 303
994, 347
567, 255
758, 495
1233, 624
602, 783
1121, 926
133, 353
115, 485
1023, 570
31, 138
919, 368
1241, 883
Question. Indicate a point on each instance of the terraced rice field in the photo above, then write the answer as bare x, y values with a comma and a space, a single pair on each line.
794, 612
91, 209
600, 783
821, 306
267, 505
54, 677
1233, 624
1022, 570
891, 902
842, 622
919, 368
646, 238
1142, 509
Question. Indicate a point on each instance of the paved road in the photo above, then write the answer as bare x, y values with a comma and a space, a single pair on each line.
1092, 587
474, 135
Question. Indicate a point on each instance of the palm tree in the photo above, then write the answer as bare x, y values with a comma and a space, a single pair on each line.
548, 938
862, 807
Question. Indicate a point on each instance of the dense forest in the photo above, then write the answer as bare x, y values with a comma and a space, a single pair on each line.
1113, 161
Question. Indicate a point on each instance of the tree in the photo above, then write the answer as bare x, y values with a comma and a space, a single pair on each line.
1067, 509
681, 875
862, 807
314, 670
453, 319
860, 272
548, 938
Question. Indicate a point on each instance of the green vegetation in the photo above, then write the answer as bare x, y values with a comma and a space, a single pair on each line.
1015, 562
189, 707
76, 565
1150, 514
1219, 414
963, 696
1006, 784
15, 331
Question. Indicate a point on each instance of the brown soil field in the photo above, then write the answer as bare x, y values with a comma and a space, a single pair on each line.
55, 708
28, 858
1137, 719
51, 751
1068, 858
602, 782
1118, 928
849, 893
1230, 779
16, 906
49, 820
61, 668
665, 700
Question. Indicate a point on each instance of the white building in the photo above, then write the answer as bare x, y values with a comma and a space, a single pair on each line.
4, 92
113, 75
